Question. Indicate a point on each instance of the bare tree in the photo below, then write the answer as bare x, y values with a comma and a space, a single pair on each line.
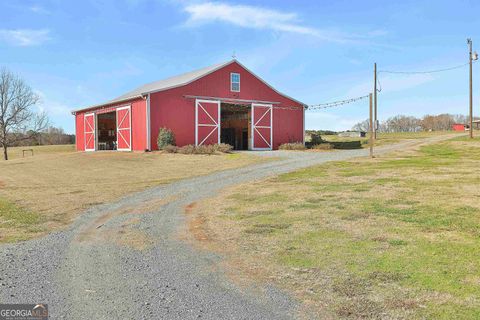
401, 123
362, 126
17, 119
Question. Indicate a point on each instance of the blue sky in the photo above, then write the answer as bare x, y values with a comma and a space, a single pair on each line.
78, 53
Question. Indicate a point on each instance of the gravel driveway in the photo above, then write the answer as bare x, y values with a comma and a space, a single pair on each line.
87, 271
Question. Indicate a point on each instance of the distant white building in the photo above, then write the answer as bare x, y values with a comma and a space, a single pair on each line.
353, 134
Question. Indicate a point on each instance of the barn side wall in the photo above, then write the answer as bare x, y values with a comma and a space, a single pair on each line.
138, 127
173, 110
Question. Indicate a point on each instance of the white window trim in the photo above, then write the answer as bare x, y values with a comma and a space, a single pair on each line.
231, 82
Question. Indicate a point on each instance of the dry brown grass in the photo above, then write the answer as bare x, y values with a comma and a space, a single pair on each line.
56, 184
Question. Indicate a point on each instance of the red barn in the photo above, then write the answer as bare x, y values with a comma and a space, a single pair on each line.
222, 103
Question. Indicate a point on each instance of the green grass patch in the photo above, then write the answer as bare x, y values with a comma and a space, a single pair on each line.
22, 221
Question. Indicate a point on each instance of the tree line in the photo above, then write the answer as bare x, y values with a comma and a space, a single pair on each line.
50, 136
403, 123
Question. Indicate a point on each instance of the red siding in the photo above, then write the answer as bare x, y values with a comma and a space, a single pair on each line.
139, 131
171, 109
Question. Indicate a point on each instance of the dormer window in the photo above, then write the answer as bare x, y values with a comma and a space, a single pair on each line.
235, 82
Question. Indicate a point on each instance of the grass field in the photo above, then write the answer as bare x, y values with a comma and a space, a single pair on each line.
393, 237
16, 152
389, 138
46, 191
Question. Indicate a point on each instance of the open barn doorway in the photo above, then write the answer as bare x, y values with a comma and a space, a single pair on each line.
107, 131
235, 125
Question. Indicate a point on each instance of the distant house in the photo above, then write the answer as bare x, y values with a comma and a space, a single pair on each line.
459, 127
476, 124
353, 134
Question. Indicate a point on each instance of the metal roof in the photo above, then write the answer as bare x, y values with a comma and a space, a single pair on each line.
174, 82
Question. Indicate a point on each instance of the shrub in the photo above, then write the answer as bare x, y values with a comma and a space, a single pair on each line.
188, 149
316, 138
170, 149
205, 149
165, 138
223, 147
347, 144
323, 146
292, 146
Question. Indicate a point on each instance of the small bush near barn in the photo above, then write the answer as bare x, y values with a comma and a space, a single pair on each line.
316, 138
188, 149
223, 147
292, 146
205, 149
165, 138
170, 149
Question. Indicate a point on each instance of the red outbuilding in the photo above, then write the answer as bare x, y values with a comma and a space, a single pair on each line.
222, 103
459, 127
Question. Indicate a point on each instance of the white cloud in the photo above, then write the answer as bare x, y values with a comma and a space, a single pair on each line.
24, 37
255, 17
53, 108
39, 10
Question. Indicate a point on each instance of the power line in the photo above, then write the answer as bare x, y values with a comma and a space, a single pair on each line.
425, 72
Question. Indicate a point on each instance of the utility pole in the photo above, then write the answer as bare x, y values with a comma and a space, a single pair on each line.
375, 98
371, 126
470, 57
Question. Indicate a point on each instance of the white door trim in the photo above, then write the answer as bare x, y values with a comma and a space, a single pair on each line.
217, 123
94, 131
130, 128
254, 126
303, 135
149, 142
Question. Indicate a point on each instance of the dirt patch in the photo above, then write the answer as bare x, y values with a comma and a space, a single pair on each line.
97, 231
126, 235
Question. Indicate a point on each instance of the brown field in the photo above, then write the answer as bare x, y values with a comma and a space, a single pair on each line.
46, 191
395, 237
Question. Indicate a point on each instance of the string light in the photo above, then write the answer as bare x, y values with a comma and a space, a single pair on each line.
336, 103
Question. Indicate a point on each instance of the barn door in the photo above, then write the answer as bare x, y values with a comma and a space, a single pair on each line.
124, 129
207, 122
262, 116
89, 131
